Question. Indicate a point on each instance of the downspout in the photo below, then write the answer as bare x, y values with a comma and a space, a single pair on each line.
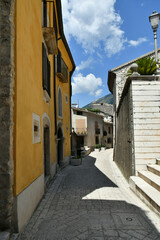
55, 102
71, 104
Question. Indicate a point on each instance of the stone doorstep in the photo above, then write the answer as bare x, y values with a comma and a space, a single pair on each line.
154, 168
4, 235
146, 192
151, 178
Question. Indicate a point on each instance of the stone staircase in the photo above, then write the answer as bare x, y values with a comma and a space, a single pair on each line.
147, 185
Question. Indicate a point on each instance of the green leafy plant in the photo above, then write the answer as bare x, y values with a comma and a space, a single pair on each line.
93, 110
97, 146
103, 145
146, 66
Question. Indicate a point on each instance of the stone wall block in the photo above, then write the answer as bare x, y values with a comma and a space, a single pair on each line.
5, 76
7, 32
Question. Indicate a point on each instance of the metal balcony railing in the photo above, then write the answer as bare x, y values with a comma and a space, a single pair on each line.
62, 69
49, 26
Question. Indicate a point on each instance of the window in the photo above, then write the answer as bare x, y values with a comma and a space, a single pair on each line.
62, 69
45, 70
109, 130
60, 113
49, 26
97, 130
67, 98
47, 20
79, 113
97, 140
36, 128
44, 16
104, 133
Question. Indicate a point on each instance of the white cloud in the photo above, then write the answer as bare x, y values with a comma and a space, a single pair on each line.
84, 64
98, 92
93, 25
87, 84
137, 42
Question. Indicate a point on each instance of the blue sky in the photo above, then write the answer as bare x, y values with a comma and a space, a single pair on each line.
102, 35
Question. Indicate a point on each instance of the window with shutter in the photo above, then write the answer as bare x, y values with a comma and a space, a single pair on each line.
60, 107
45, 71
62, 69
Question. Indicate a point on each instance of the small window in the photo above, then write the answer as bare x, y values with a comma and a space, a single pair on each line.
60, 111
67, 98
97, 140
109, 130
36, 128
79, 113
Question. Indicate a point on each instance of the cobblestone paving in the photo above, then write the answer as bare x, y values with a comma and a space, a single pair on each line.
91, 202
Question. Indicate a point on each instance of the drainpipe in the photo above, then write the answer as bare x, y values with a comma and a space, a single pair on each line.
55, 102
70, 76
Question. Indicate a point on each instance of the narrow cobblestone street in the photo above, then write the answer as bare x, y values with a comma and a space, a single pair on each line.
91, 202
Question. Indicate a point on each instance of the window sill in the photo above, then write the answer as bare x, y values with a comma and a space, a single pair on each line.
46, 96
60, 117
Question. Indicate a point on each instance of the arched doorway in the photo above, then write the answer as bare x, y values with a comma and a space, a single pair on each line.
46, 148
46, 143
60, 146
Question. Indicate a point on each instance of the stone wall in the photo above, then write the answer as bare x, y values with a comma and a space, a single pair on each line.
124, 144
138, 124
6, 111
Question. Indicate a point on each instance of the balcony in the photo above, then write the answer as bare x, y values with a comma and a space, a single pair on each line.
80, 131
97, 131
62, 69
49, 26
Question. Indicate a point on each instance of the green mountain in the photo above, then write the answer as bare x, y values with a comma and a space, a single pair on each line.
106, 99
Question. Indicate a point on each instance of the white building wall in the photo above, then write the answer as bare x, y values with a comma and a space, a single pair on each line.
146, 117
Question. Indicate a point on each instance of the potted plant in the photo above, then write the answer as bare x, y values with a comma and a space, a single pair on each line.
97, 148
146, 66
103, 147
76, 160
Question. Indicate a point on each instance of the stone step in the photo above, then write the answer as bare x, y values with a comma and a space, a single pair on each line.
158, 161
154, 168
150, 178
146, 192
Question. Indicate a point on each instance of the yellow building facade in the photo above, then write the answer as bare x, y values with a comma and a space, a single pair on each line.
41, 136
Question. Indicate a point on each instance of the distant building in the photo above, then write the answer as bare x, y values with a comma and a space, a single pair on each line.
90, 129
104, 107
